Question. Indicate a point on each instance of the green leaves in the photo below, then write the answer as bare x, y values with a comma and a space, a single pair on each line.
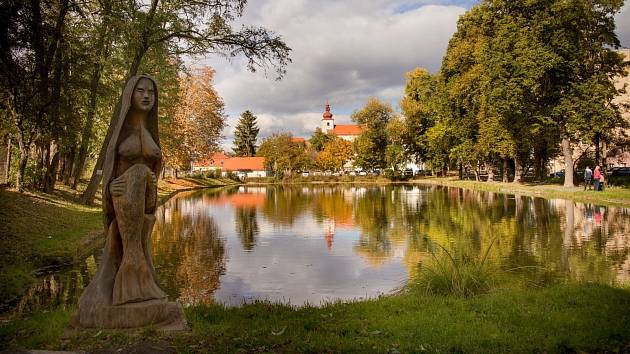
245, 135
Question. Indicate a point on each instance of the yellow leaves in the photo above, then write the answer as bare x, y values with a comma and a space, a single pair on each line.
196, 122
335, 154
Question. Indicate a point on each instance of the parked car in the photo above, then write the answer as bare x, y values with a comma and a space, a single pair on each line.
362, 173
352, 173
336, 174
408, 172
620, 171
305, 174
557, 174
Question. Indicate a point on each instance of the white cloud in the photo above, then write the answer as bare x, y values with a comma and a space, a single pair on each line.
623, 25
343, 51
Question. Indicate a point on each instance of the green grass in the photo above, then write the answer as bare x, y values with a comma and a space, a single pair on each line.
40, 230
454, 274
613, 195
558, 318
211, 181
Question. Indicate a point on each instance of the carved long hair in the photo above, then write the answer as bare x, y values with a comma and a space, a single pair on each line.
123, 108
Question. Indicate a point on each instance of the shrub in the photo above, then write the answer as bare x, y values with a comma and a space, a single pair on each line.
213, 174
457, 275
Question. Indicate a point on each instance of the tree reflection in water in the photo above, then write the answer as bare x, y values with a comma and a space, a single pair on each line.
189, 254
247, 227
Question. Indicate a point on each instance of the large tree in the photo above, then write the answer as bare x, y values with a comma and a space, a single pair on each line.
521, 77
418, 108
371, 144
335, 154
246, 135
195, 125
319, 139
284, 156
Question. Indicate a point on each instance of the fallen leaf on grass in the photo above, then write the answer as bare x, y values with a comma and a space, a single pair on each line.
280, 332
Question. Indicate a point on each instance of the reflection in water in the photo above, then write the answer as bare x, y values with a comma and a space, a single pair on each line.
317, 243
188, 250
247, 227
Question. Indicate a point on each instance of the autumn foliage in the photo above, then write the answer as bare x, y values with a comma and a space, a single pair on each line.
194, 127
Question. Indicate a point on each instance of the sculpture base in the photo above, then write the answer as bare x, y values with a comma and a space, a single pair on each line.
159, 313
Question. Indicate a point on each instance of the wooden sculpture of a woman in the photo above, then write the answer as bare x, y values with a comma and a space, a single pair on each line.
124, 292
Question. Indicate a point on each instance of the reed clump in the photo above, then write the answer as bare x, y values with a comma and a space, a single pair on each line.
455, 274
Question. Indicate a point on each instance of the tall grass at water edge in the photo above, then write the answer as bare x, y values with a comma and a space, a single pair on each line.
456, 274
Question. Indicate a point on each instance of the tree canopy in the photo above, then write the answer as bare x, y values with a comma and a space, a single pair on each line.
246, 135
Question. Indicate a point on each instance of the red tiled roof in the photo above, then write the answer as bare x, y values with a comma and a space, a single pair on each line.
213, 160
244, 163
347, 129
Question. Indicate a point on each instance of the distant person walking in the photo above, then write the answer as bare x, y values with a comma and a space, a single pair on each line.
597, 174
588, 176
601, 182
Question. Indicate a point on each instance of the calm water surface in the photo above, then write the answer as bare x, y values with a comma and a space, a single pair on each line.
313, 244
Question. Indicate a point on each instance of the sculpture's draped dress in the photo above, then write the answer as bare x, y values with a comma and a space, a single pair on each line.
135, 280
124, 292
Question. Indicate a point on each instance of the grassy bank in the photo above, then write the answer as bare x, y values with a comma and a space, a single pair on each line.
558, 318
169, 187
39, 230
611, 196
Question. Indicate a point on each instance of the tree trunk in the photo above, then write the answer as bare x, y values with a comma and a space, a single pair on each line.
597, 150
87, 131
7, 170
23, 148
490, 173
68, 166
476, 169
604, 168
518, 170
97, 69
51, 173
568, 161
505, 177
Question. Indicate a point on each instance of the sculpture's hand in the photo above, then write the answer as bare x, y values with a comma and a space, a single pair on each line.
117, 187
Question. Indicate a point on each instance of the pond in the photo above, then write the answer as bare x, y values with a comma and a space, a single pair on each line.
321, 243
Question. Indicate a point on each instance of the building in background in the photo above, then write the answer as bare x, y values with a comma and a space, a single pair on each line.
347, 132
243, 166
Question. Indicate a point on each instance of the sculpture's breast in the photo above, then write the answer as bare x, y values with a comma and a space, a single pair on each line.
139, 147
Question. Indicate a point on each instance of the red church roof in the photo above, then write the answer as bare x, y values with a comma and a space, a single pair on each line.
347, 129
298, 140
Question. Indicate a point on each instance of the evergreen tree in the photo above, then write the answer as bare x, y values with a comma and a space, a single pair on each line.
245, 135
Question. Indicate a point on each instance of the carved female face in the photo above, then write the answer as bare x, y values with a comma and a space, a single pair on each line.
143, 97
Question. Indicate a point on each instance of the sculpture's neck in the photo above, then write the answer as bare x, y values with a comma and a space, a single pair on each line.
137, 119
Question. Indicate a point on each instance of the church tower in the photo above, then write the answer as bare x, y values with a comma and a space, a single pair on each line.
328, 123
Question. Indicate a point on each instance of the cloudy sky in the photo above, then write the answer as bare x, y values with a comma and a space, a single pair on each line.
344, 51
